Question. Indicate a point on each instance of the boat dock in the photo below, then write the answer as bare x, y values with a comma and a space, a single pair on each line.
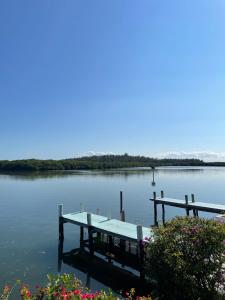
194, 206
123, 242
115, 239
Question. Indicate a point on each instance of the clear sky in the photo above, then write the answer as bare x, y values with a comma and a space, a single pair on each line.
143, 77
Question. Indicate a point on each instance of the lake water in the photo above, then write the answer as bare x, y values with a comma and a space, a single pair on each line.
29, 212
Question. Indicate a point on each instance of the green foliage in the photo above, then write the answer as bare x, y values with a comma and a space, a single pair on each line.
94, 162
186, 259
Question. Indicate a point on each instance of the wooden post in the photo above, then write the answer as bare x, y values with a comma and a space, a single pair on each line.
163, 209
60, 210
163, 214
195, 210
90, 237
122, 216
193, 200
61, 227
81, 236
61, 237
155, 209
88, 219
186, 202
140, 249
139, 233
60, 255
121, 201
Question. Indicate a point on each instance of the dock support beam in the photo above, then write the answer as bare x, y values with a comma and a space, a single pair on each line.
186, 202
195, 211
122, 212
81, 236
121, 201
61, 227
61, 237
155, 209
140, 249
193, 200
90, 234
163, 209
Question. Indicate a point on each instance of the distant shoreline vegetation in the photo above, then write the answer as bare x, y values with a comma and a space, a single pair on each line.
98, 162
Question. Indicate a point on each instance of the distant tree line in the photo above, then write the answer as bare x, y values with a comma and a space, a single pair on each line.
98, 162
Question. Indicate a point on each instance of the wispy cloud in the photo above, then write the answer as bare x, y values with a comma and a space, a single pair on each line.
204, 155
91, 153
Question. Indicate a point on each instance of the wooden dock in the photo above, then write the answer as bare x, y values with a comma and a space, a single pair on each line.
112, 227
194, 206
118, 240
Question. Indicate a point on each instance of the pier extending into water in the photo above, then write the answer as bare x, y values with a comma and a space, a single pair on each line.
120, 241
115, 239
194, 206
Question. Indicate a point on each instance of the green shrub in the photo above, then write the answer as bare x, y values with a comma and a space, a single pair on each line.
187, 259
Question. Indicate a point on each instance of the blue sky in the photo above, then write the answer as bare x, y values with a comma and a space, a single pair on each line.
143, 77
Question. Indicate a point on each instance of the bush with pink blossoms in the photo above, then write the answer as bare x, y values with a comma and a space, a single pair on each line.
65, 287
186, 259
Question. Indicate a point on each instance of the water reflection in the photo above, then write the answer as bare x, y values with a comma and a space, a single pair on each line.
29, 201
104, 173
97, 268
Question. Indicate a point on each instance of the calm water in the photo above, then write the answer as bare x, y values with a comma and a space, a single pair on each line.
28, 211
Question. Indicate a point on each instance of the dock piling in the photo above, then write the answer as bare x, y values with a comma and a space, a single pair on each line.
122, 216
60, 210
155, 209
140, 249
121, 201
81, 236
186, 202
163, 209
139, 233
88, 219
90, 236
193, 200
61, 235
61, 227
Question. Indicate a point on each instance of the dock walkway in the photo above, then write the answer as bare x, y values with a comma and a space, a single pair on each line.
192, 205
116, 240
112, 227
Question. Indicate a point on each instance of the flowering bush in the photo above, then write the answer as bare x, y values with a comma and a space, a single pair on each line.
65, 287
186, 259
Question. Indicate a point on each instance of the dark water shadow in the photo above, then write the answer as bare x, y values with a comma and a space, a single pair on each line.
107, 273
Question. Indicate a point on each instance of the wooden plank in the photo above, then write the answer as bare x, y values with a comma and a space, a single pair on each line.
122, 230
208, 207
170, 202
80, 218
202, 206
112, 227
